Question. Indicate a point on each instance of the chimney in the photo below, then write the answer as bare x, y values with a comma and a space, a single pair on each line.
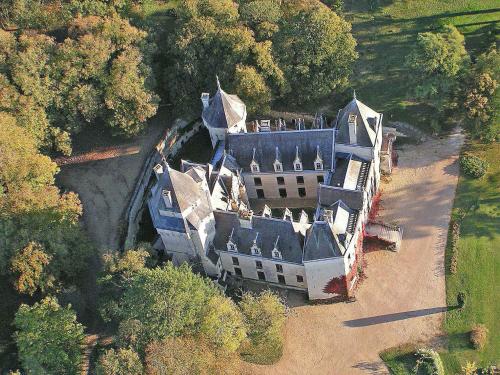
205, 99
167, 198
352, 128
158, 169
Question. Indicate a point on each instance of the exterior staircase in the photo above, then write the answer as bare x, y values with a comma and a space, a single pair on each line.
392, 234
363, 172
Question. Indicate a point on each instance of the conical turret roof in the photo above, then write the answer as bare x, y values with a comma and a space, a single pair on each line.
224, 110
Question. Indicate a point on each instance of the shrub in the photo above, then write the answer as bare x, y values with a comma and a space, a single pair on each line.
455, 236
461, 299
473, 166
429, 360
479, 336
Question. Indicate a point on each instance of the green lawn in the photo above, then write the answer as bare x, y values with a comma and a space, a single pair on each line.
385, 36
478, 265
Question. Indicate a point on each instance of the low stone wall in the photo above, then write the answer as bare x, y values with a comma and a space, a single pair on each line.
171, 142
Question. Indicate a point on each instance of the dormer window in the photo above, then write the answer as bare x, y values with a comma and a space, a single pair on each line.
278, 166
318, 162
231, 246
276, 254
297, 163
255, 248
254, 166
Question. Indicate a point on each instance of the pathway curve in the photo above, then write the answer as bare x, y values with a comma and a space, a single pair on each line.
403, 297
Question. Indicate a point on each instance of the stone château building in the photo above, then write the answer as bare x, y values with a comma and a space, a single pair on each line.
204, 213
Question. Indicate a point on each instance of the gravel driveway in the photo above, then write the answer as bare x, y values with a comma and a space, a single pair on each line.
403, 296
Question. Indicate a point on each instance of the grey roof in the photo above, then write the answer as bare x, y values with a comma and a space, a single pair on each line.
185, 191
241, 146
328, 195
351, 172
322, 243
265, 229
224, 110
367, 121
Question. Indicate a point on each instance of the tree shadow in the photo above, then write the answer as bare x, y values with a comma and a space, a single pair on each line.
375, 368
387, 318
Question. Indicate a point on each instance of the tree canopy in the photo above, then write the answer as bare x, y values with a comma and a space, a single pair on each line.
263, 50
119, 362
48, 337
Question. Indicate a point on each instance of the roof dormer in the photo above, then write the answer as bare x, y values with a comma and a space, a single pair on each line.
318, 162
254, 166
266, 212
255, 249
297, 162
276, 254
231, 245
278, 165
287, 215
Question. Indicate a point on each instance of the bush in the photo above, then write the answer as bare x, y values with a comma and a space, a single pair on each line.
429, 361
479, 336
455, 236
473, 166
461, 299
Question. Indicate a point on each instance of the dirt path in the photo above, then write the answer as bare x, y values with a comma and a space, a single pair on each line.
403, 297
105, 186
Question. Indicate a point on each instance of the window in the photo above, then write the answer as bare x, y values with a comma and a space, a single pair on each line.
279, 268
302, 192
300, 279
318, 166
282, 193
257, 181
255, 168
281, 279
260, 194
258, 264
320, 179
298, 166
237, 271
280, 180
277, 167
236, 262
300, 180
261, 275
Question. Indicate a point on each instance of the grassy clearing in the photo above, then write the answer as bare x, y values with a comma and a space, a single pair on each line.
386, 34
478, 265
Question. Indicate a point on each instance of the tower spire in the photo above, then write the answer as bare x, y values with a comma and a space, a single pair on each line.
354, 94
218, 83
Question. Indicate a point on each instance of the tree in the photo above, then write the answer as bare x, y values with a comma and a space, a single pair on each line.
252, 89
186, 356
316, 50
264, 317
168, 301
29, 268
32, 209
223, 324
48, 338
119, 362
479, 96
436, 63
119, 268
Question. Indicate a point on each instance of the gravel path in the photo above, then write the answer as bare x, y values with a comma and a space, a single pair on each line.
403, 296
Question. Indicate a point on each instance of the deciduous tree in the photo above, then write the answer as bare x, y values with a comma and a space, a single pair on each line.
119, 362
48, 337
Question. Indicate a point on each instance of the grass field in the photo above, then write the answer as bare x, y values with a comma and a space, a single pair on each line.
386, 34
478, 265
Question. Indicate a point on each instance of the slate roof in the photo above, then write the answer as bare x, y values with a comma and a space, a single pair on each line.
241, 146
186, 191
224, 110
328, 195
268, 229
322, 243
367, 121
351, 172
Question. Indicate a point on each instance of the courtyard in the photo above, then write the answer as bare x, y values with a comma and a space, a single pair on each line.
402, 298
